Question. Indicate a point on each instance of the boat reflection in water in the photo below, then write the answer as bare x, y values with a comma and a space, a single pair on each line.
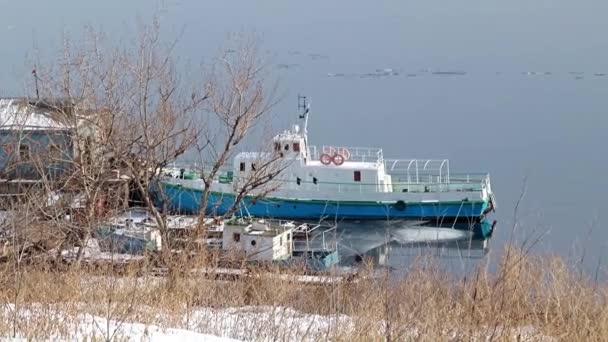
397, 244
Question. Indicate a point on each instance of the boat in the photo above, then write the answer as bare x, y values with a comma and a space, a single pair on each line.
135, 231
337, 183
258, 240
313, 247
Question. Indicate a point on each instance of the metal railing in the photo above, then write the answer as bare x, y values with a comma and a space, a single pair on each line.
356, 154
415, 175
317, 240
418, 170
472, 182
194, 171
461, 183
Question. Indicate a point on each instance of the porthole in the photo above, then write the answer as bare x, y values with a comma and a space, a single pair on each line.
399, 205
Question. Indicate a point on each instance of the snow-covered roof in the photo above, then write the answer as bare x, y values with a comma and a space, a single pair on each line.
19, 114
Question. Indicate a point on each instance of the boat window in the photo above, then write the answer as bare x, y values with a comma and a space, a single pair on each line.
54, 152
298, 180
357, 175
236, 237
253, 243
24, 152
242, 167
314, 180
286, 147
280, 241
296, 147
277, 146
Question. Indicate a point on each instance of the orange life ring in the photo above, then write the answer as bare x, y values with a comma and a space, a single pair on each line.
338, 159
326, 159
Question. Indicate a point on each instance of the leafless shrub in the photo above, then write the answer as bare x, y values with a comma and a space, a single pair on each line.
238, 99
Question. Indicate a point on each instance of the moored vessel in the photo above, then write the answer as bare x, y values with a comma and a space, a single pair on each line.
333, 182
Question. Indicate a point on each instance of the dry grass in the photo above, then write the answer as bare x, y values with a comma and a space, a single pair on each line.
527, 298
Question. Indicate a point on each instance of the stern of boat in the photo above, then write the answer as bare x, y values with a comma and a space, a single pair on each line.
488, 195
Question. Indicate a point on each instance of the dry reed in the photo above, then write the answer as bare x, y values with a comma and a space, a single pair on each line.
527, 298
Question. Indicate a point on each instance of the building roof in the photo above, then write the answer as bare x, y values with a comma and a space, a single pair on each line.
21, 114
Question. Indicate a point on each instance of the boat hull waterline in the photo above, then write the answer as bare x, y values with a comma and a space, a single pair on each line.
185, 199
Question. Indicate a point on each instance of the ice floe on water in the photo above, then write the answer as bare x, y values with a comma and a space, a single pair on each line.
318, 56
449, 73
537, 73
377, 73
287, 66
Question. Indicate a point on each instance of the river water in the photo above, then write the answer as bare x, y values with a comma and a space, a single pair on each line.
528, 102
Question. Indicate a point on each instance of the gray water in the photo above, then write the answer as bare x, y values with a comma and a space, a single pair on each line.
540, 135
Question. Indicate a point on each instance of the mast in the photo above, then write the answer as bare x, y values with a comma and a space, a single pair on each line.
305, 109
36, 80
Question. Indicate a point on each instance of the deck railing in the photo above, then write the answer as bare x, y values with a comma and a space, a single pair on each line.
194, 171
356, 154
418, 176
418, 170
460, 183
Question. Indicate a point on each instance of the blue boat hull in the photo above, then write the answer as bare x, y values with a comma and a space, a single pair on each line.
188, 200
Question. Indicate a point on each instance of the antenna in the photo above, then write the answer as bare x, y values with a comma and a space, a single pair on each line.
302, 106
36, 80
304, 109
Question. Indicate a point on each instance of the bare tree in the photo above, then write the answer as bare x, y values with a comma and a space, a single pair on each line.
238, 100
133, 113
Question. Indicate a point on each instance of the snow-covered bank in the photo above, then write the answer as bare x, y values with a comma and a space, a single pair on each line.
259, 323
53, 322
40, 322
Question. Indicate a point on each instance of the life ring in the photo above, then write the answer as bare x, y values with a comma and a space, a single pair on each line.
325, 159
344, 152
338, 159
